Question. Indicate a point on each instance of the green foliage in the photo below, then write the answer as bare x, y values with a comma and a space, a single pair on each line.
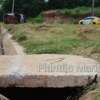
34, 7
20, 37
1, 1
58, 38
38, 19
76, 11
27, 7
97, 96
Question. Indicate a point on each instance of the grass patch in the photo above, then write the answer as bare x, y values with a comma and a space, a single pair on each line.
20, 37
98, 96
38, 19
58, 39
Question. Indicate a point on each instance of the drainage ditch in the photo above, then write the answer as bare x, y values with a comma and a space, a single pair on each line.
2, 51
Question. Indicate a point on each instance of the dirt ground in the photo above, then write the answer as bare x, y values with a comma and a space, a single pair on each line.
92, 95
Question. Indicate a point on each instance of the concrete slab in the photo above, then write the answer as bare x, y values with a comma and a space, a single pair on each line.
47, 71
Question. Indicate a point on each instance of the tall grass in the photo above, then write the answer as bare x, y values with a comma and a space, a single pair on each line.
58, 39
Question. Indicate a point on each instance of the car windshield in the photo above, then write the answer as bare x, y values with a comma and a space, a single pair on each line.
89, 18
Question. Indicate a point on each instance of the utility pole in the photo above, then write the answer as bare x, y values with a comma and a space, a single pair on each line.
13, 6
93, 5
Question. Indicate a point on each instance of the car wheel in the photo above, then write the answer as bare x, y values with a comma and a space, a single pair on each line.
81, 23
3, 97
94, 23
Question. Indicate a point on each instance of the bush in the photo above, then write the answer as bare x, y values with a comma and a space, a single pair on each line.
39, 19
76, 11
20, 37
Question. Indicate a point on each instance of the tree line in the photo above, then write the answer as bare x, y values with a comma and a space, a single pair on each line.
34, 7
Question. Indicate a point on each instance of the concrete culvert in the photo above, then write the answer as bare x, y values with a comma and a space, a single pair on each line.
42, 93
3, 97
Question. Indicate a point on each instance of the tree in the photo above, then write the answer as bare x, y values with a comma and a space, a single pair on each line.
34, 7
28, 7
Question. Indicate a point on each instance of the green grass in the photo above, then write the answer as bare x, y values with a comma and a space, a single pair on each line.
58, 39
98, 96
38, 19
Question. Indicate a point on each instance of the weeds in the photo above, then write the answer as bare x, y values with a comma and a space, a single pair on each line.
58, 39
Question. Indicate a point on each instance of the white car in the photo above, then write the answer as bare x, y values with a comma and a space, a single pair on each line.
89, 20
